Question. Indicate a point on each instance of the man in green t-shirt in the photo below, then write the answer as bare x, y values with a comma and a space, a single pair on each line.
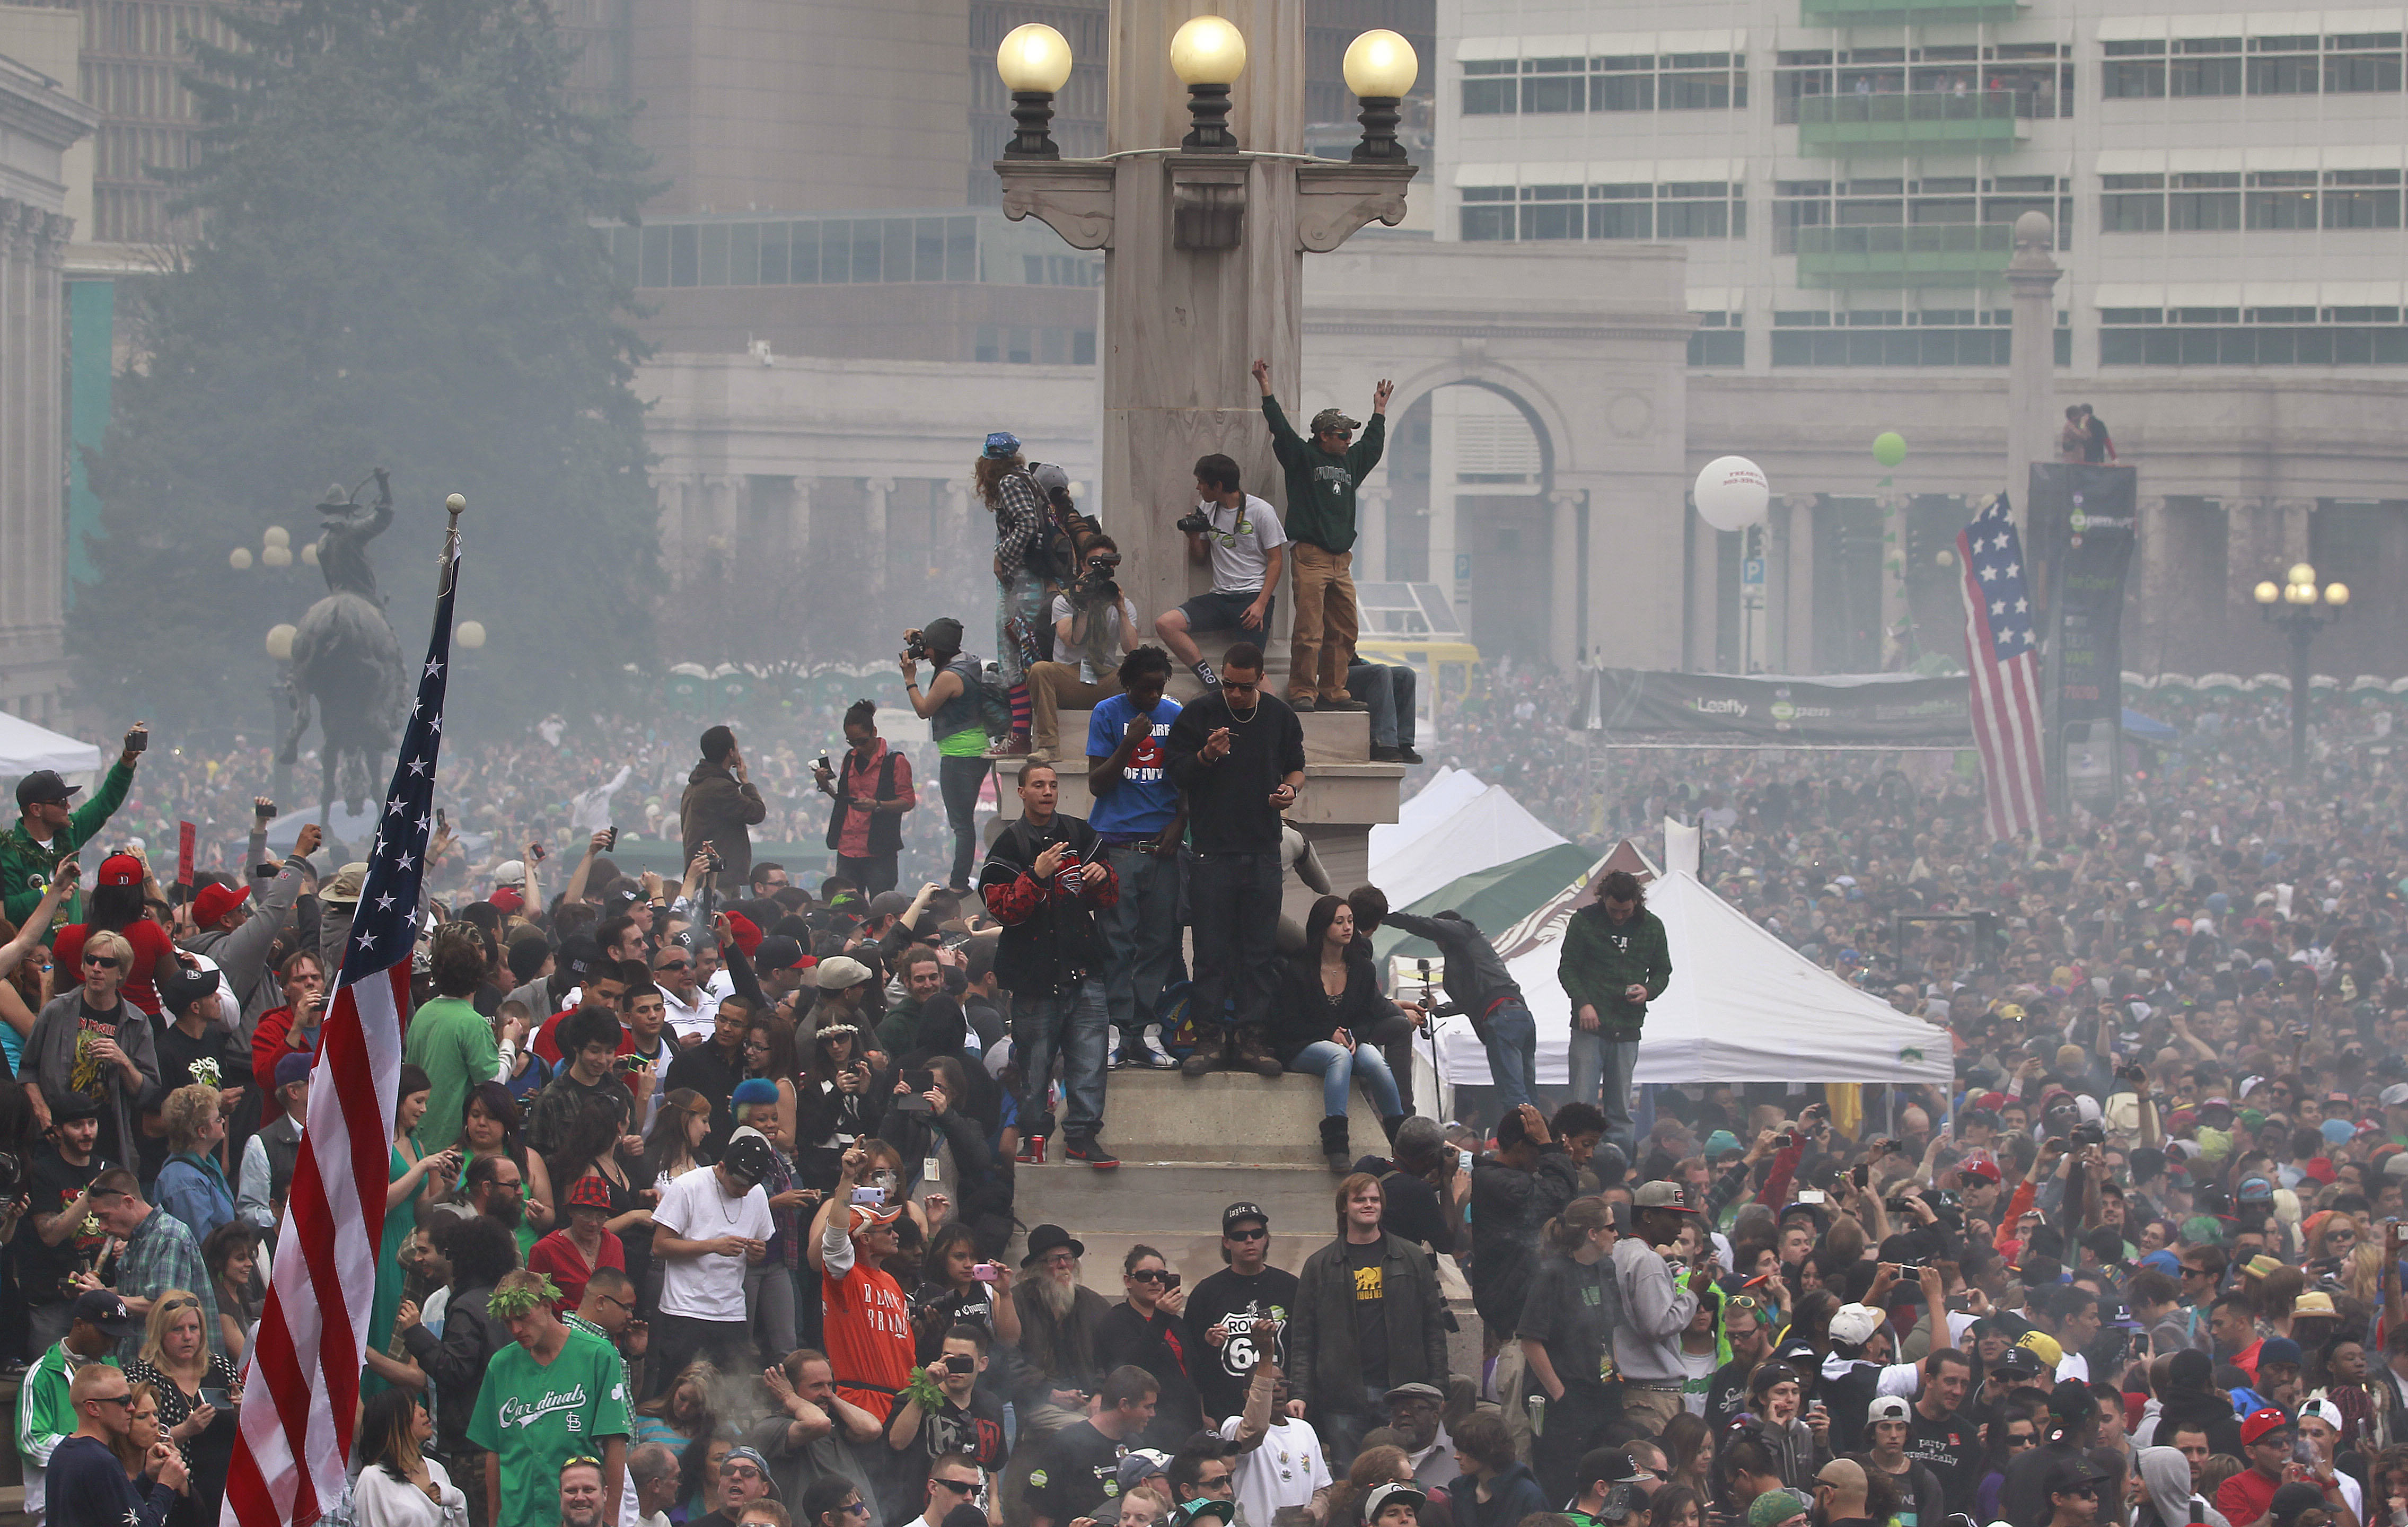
450, 1040
557, 1394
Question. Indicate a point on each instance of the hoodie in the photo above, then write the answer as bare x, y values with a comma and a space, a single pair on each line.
2166, 1476
716, 809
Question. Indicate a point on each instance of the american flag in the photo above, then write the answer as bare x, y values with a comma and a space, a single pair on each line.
2004, 661
302, 1379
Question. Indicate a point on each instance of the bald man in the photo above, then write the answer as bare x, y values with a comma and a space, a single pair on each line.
1839, 1495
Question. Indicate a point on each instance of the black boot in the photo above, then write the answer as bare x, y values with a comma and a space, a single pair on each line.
1389, 1123
1333, 1144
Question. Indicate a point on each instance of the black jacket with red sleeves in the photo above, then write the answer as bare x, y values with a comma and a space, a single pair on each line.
1049, 930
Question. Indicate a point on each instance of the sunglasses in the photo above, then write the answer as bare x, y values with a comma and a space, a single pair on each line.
1742, 1302
100, 962
126, 1399
855, 1508
1151, 1275
959, 1487
738, 1471
675, 965
185, 1304
1257, 1234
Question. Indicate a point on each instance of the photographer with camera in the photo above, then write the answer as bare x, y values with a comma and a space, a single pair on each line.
1239, 534
951, 706
872, 789
1094, 626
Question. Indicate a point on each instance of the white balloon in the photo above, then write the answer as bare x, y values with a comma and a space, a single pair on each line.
1732, 494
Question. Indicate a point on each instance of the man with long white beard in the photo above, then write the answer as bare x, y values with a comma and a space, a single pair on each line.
1061, 1323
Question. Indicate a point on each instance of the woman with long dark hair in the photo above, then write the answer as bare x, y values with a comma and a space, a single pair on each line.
952, 1292
399, 1484
839, 1095
1567, 1328
1328, 998
489, 1126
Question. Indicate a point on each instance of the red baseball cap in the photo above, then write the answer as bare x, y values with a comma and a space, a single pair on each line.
2260, 1423
121, 870
1979, 1166
745, 932
214, 902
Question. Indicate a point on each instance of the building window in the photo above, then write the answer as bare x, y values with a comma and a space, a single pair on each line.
1701, 82
2362, 62
1482, 220
2361, 198
1554, 85
1551, 211
1622, 82
2204, 203
2284, 198
2204, 66
1621, 212
1718, 341
2133, 71
1483, 95
2258, 336
2283, 65
2133, 204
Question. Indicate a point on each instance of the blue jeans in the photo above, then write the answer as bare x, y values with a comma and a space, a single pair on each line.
1511, 1038
1387, 688
1140, 936
1233, 901
1019, 625
958, 781
1071, 1023
1602, 1068
1335, 1065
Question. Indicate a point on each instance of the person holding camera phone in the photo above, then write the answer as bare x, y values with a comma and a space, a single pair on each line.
1239, 534
47, 830
871, 787
950, 1425
1094, 625
721, 806
1148, 1330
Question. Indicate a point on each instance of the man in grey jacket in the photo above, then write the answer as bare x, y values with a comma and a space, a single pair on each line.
238, 939
1479, 986
1656, 1306
1368, 1316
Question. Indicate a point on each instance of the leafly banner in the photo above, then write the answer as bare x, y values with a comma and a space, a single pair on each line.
1872, 708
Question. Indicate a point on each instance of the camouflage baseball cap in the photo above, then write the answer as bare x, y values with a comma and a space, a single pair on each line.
1333, 419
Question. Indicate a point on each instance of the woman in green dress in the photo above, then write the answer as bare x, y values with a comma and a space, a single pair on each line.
412, 1176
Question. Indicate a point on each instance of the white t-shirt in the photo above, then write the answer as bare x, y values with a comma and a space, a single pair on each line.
695, 1208
691, 1022
1115, 632
1285, 1470
1241, 541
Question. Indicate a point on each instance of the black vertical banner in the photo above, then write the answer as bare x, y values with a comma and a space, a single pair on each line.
2084, 520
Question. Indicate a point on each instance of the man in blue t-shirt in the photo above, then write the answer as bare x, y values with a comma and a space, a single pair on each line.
1138, 814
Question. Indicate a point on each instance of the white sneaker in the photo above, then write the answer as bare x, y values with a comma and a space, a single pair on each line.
1155, 1056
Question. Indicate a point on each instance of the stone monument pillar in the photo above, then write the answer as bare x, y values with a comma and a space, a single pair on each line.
1204, 254
2031, 360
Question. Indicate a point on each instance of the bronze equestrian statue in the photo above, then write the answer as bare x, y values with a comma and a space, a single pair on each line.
345, 657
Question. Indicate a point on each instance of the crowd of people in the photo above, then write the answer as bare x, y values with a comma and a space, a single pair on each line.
703, 1199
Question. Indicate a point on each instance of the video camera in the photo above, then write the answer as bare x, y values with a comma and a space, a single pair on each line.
1098, 585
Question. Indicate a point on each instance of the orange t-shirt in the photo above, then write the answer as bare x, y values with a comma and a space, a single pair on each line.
868, 1332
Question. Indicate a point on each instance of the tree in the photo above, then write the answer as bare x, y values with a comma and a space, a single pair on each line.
398, 267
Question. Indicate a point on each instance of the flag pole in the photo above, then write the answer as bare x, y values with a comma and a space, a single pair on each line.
454, 506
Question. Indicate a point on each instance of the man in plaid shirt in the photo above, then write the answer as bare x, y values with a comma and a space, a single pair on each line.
160, 1253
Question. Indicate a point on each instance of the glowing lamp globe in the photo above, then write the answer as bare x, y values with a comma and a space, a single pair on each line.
2267, 593
1208, 51
279, 642
471, 634
1889, 447
1732, 494
2301, 572
1381, 63
309, 552
277, 556
1034, 58
239, 558
275, 535
2336, 593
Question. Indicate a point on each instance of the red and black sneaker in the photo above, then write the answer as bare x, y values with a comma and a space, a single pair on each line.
1093, 1151
1032, 1151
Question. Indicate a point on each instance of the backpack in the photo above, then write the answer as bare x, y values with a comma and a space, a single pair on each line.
994, 701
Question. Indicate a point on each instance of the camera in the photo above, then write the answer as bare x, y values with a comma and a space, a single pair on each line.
915, 647
1898, 1204
1099, 584
711, 860
2088, 1134
1194, 524
956, 1364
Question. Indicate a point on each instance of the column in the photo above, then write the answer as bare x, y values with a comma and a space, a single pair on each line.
1563, 565
799, 532
873, 531
1703, 609
1893, 579
1797, 584
1371, 530
2031, 375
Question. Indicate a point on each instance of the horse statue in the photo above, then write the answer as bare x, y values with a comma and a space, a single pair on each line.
345, 656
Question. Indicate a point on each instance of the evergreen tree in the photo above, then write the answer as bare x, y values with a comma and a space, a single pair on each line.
398, 267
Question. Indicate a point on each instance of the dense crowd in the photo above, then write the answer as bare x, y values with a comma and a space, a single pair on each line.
704, 1192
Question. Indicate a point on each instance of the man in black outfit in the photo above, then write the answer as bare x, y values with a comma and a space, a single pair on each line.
1079, 1467
1239, 754
57, 1185
1044, 880
1239, 1316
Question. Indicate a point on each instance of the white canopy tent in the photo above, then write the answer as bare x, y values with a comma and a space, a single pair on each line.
1742, 1005
1447, 792
25, 747
1483, 832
